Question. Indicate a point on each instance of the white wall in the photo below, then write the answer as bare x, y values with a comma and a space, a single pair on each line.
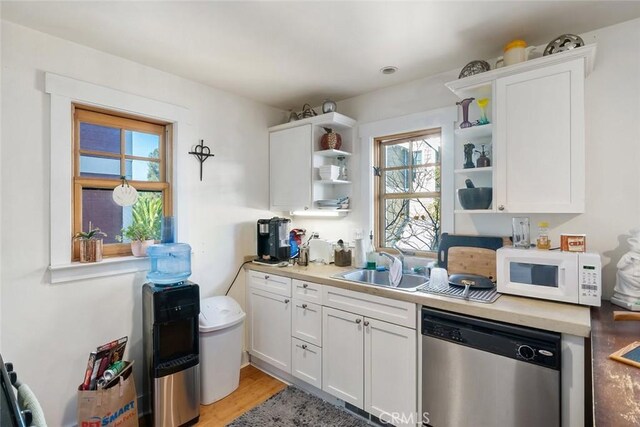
613, 152
49, 330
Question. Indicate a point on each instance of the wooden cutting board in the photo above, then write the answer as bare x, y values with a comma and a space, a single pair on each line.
463, 259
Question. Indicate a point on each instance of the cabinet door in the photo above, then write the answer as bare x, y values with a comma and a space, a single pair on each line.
390, 365
540, 160
290, 168
270, 328
342, 355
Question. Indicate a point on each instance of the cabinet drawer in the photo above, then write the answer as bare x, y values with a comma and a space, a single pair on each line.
306, 362
307, 291
399, 312
307, 322
270, 283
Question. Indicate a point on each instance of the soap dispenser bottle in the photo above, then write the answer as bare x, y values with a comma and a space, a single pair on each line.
372, 256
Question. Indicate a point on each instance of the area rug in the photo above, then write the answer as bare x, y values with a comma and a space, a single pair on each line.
294, 407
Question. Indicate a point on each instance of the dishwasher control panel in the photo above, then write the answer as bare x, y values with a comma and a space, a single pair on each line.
515, 342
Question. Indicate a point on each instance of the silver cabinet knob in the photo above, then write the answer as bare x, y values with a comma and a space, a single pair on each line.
305, 285
366, 323
501, 207
358, 321
304, 305
286, 301
304, 346
266, 277
306, 208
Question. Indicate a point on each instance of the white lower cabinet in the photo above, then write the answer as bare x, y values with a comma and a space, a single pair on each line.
270, 326
306, 362
390, 371
342, 361
357, 347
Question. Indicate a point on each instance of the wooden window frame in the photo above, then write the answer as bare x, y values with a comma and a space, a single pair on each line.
380, 196
84, 114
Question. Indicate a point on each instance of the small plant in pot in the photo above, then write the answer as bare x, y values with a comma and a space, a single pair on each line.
90, 244
141, 235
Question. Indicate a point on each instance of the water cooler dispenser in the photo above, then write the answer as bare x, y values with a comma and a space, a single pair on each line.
170, 308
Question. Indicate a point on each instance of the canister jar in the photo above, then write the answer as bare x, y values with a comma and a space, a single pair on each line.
515, 52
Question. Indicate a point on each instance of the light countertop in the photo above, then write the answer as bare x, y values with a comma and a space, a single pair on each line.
551, 316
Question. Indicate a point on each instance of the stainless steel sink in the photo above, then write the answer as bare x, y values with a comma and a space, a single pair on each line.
409, 282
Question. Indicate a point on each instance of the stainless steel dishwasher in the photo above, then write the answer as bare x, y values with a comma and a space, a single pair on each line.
481, 373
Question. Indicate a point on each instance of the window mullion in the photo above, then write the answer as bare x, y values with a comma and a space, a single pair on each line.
123, 172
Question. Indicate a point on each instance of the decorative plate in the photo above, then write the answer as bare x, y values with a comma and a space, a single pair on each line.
125, 195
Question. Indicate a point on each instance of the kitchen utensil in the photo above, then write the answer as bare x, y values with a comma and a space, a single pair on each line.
481, 261
521, 232
448, 241
303, 257
468, 281
475, 197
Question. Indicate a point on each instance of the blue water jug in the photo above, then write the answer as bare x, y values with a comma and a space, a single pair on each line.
170, 263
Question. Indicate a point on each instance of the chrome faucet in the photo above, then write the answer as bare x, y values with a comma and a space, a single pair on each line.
395, 271
402, 253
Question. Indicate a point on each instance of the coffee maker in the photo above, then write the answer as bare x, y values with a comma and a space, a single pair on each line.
273, 240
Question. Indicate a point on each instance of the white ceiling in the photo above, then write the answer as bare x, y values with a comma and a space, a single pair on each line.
285, 54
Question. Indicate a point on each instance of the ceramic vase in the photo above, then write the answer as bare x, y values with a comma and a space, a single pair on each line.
139, 247
330, 140
465, 112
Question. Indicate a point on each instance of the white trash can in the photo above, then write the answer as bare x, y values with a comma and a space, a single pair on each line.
221, 331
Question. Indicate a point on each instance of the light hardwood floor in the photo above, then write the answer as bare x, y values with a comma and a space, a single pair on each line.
255, 387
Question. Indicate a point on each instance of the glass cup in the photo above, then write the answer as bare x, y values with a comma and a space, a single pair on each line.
521, 232
439, 278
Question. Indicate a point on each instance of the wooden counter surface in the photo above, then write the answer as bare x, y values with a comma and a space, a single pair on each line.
616, 386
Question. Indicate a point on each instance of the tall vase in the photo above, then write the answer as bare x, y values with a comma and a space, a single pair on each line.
465, 112
482, 104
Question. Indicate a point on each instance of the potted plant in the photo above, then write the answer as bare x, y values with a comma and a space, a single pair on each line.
90, 244
141, 235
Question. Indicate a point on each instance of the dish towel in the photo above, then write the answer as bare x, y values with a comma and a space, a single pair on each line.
395, 272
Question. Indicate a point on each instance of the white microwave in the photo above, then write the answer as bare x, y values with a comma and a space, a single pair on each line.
558, 276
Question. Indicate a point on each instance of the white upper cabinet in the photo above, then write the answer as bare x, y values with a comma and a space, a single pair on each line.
296, 157
290, 168
536, 137
540, 140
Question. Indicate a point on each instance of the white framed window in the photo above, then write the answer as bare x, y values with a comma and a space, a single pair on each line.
407, 197
440, 120
64, 92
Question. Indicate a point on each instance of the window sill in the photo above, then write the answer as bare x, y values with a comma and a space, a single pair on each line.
107, 267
